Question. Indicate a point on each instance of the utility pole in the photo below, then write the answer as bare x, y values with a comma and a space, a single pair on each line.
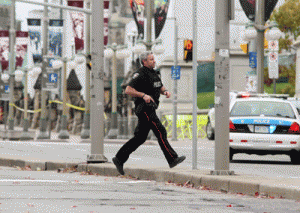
174, 124
194, 133
260, 21
222, 88
12, 63
43, 123
97, 87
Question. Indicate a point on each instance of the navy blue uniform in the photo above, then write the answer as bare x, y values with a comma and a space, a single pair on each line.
147, 81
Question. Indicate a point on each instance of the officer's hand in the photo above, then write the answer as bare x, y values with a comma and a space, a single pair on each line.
167, 93
148, 98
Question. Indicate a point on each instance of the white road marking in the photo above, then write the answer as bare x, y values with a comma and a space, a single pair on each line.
17, 180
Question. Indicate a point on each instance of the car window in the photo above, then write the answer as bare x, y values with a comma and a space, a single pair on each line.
266, 108
296, 103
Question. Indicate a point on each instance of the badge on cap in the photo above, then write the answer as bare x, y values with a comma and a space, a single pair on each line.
135, 75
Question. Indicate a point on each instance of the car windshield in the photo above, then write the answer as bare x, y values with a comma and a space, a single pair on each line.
296, 103
262, 108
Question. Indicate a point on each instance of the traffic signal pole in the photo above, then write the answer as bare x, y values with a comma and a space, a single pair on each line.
260, 21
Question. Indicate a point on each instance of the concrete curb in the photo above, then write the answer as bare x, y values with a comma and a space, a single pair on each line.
244, 184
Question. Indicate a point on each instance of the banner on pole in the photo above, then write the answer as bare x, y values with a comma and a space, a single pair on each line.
4, 49
21, 47
35, 39
77, 24
55, 38
160, 15
138, 8
105, 21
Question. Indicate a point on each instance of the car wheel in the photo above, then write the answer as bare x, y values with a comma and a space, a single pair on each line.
295, 157
210, 131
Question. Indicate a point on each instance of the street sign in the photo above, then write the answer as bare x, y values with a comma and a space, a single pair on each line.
273, 45
51, 79
273, 65
175, 72
6, 88
252, 59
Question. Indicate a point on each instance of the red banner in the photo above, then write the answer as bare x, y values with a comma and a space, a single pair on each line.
21, 47
4, 49
77, 24
106, 16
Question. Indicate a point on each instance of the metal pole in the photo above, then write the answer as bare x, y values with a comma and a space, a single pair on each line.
252, 48
12, 41
174, 124
149, 24
97, 88
43, 122
194, 152
274, 85
25, 134
85, 133
64, 134
260, 20
222, 89
113, 132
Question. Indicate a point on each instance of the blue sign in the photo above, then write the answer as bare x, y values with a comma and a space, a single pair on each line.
252, 59
53, 78
175, 72
6, 88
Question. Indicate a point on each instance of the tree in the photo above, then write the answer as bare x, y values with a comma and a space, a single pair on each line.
287, 17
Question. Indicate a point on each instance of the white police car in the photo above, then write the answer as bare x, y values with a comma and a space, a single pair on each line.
210, 127
264, 126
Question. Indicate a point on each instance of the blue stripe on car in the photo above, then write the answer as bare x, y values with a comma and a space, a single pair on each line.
262, 121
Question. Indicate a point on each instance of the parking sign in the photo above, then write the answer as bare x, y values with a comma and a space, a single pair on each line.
175, 72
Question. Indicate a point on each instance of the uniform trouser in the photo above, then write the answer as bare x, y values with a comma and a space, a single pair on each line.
147, 119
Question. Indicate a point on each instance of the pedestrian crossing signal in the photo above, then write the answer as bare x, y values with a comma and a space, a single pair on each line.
188, 50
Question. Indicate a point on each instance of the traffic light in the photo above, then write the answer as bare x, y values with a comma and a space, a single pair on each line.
249, 8
245, 48
188, 50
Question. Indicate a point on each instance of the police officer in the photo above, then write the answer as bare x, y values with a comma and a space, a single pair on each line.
146, 87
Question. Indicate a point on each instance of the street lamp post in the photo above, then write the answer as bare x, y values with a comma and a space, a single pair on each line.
19, 75
64, 134
115, 51
272, 36
260, 21
43, 122
12, 41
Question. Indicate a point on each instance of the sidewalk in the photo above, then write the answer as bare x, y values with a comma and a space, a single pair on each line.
259, 186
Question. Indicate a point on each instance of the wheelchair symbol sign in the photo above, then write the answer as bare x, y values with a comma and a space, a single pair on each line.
53, 78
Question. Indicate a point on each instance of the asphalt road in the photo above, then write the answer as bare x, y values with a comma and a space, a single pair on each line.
50, 191
271, 166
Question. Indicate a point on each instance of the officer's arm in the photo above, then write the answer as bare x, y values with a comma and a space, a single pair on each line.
133, 92
165, 92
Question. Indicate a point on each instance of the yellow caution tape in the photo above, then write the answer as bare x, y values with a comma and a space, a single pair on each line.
53, 101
